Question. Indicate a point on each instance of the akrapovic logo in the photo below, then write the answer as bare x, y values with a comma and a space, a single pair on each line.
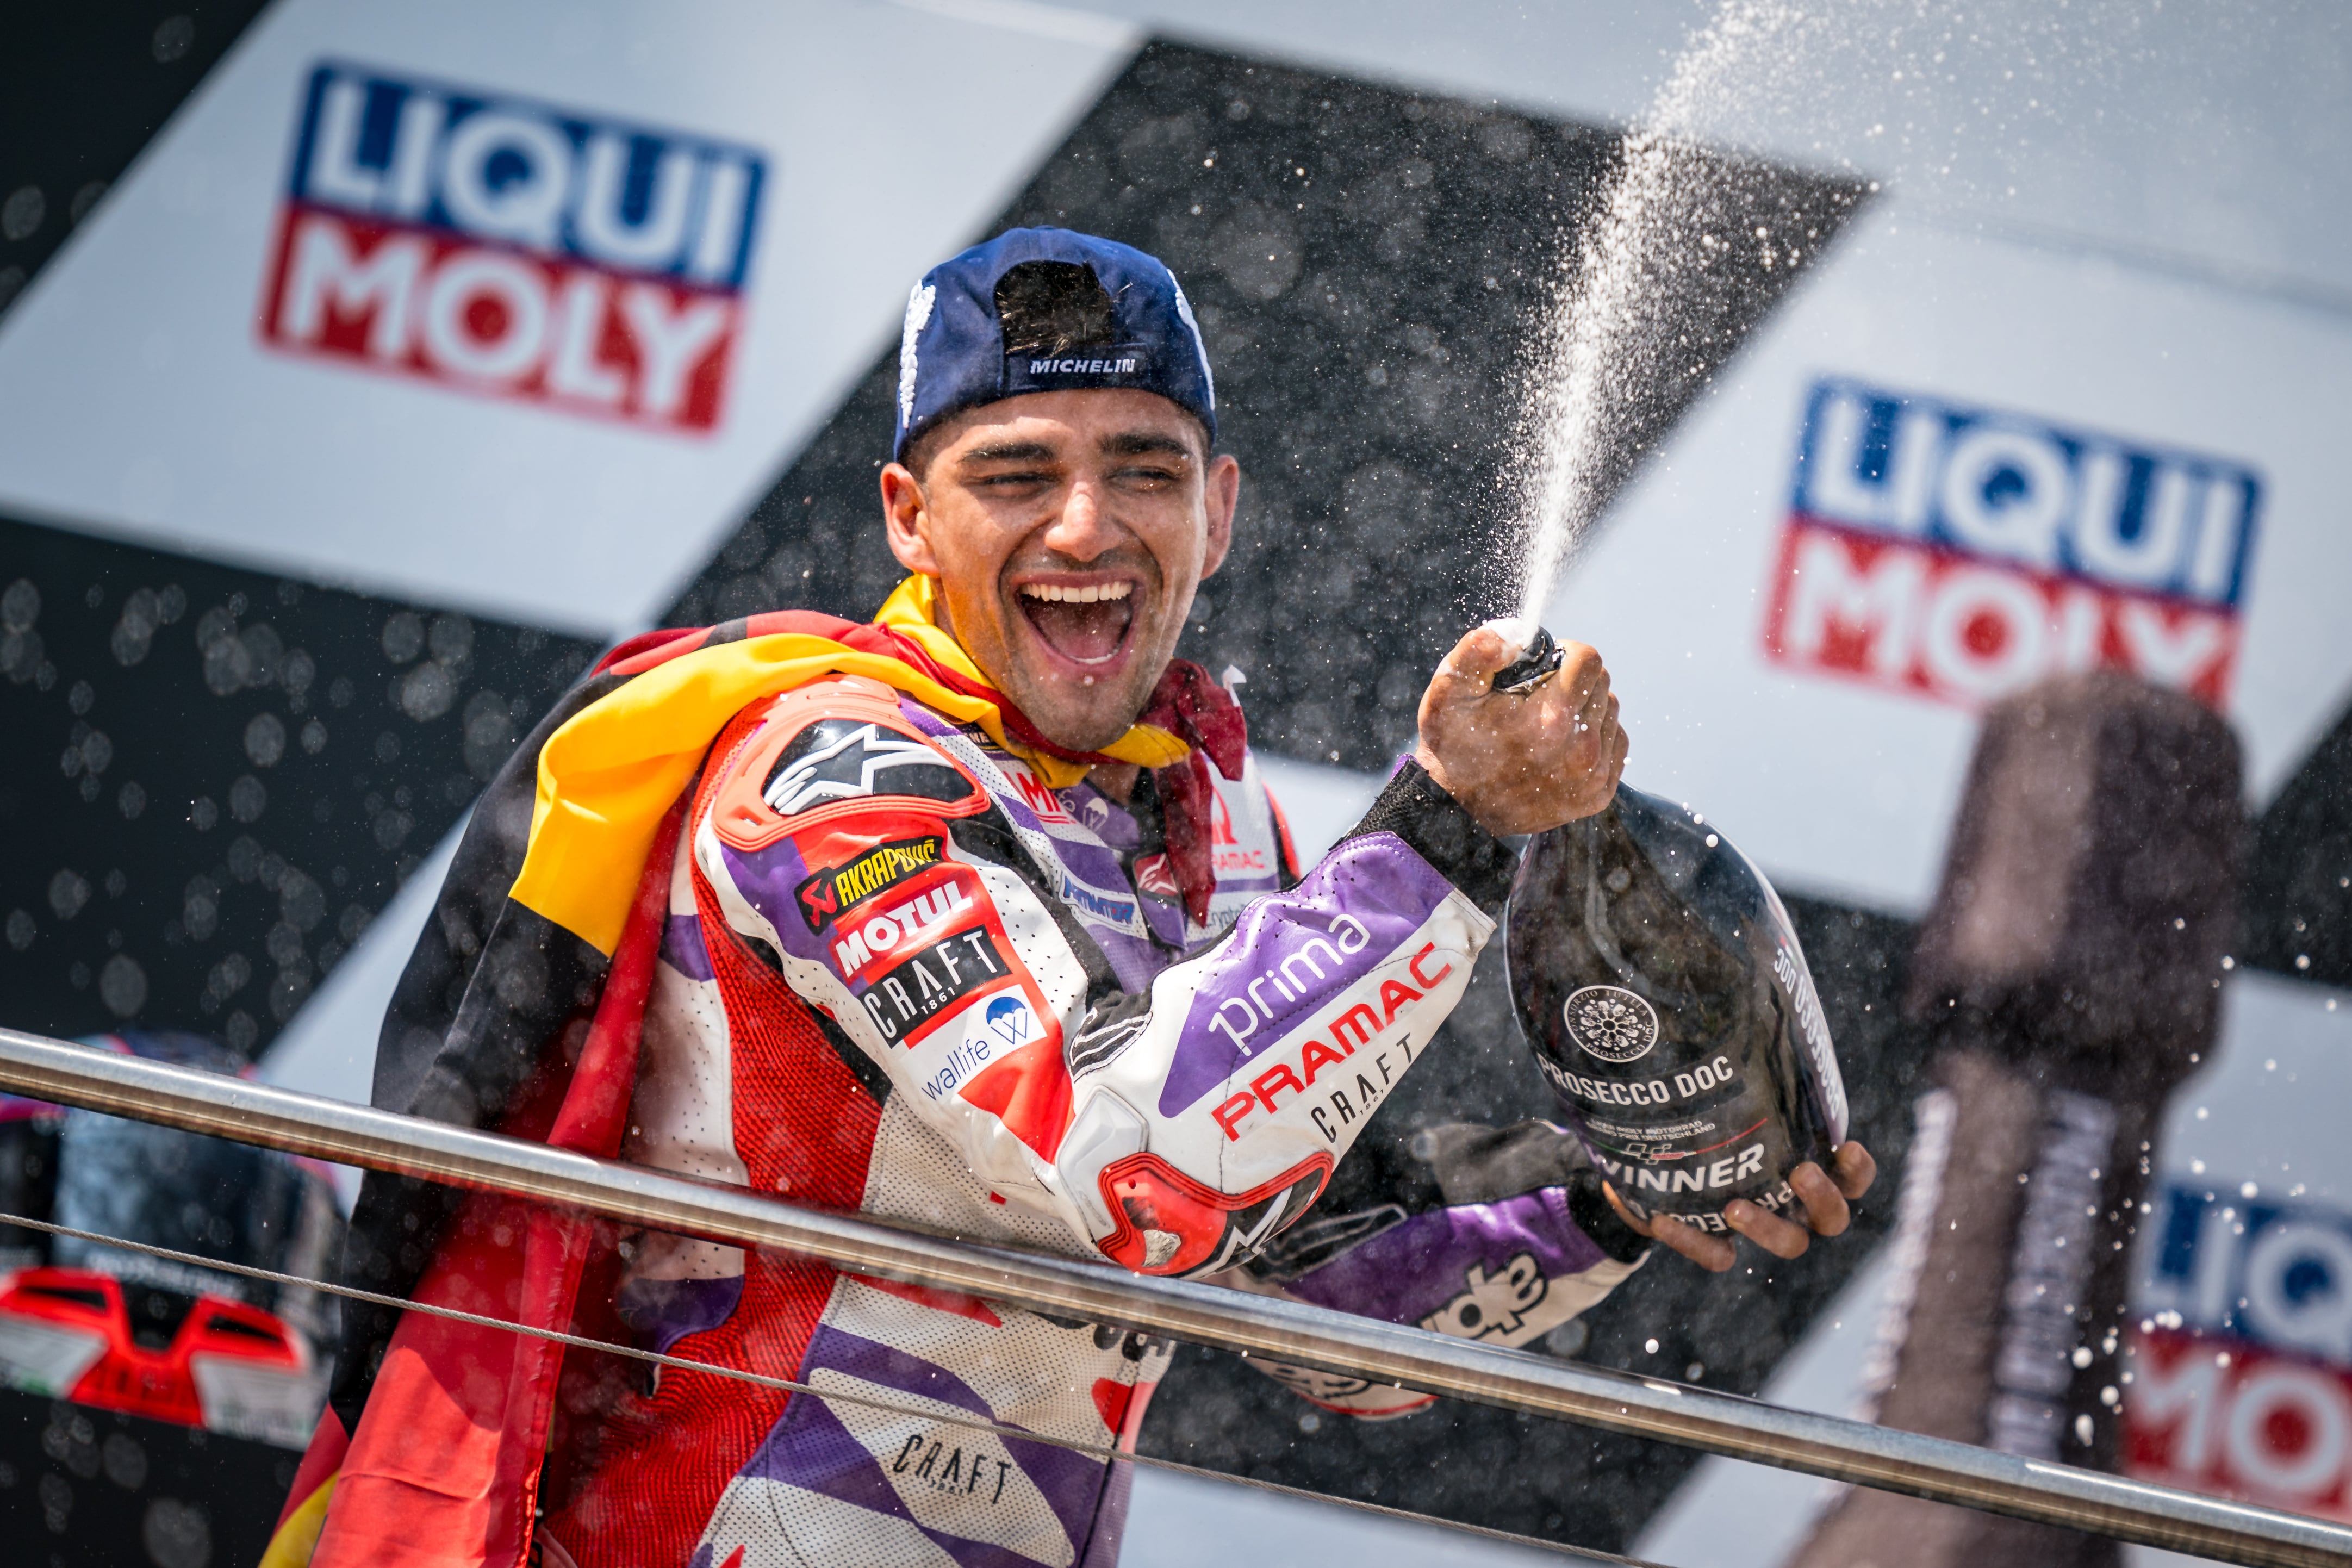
826, 894
513, 249
1963, 554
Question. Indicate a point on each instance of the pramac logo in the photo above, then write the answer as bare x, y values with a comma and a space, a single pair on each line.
513, 249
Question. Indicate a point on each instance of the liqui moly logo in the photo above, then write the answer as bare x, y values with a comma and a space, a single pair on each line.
512, 249
2240, 1379
1962, 553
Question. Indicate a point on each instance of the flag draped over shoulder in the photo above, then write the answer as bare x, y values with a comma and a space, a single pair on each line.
521, 1010
607, 776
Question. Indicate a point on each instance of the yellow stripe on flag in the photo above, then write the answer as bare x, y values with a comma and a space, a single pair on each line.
297, 1538
611, 773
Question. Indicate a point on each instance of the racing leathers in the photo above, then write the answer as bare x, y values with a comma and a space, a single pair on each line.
902, 976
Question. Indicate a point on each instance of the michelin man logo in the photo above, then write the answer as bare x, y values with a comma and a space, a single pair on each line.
1496, 1305
1612, 1023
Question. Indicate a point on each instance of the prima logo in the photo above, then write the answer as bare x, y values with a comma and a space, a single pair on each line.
1612, 1023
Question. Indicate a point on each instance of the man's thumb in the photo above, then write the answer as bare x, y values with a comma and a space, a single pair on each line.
1484, 650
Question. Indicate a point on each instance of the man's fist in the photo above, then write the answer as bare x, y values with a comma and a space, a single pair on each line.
1525, 763
1825, 1194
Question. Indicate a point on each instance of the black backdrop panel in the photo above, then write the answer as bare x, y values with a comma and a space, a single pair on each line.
215, 778
83, 87
1369, 267
92, 1489
2299, 868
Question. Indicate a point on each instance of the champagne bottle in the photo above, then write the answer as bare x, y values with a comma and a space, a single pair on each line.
1665, 995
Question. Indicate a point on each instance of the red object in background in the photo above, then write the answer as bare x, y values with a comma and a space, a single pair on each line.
1938, 622
225, 1366
494, 320
2221, 1414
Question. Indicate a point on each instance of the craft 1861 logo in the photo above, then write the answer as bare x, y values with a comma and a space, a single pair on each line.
1612, 1023
513, 249
1963, 553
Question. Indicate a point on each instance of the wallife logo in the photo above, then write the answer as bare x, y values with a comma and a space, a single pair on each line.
513, 250
1962, 553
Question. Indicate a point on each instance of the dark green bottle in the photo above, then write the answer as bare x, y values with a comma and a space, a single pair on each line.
1666, 994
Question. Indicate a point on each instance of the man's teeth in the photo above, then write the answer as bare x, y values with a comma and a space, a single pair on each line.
1054, 593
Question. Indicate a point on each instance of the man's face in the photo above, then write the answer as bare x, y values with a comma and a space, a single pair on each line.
1068, 530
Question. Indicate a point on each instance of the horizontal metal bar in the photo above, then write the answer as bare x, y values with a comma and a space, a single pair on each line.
1291, 1331
1102, 1452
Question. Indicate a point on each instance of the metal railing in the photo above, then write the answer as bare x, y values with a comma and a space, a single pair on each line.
1316, 1337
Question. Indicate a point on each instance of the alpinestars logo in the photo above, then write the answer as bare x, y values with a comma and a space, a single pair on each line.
1612, 1023
834, 759
826, 894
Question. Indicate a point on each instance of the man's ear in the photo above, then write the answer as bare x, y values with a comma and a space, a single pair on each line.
1221, 493
908, 517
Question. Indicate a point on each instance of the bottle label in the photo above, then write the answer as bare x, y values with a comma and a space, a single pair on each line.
1612, 1023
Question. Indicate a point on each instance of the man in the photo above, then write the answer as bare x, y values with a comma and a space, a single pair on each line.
977, 917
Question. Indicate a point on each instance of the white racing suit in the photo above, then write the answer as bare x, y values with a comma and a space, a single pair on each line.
903, 976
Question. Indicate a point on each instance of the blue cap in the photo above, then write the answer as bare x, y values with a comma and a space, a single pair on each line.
1087, 312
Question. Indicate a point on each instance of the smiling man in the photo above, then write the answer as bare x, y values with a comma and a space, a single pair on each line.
978, 917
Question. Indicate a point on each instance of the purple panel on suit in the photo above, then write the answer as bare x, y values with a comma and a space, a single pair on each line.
682, 947
810, 1449
665, 1312
1134, 959
1093, 864
1112, 823
1351, 914
1410, 1270
1101, 1548
767, 878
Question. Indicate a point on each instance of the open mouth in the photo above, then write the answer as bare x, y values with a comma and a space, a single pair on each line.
1085, 623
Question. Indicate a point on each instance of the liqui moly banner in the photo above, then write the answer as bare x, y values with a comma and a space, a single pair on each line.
2240, 1380
1963, 553
512, 249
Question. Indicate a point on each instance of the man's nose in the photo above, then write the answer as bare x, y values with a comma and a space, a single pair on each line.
1084, 528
